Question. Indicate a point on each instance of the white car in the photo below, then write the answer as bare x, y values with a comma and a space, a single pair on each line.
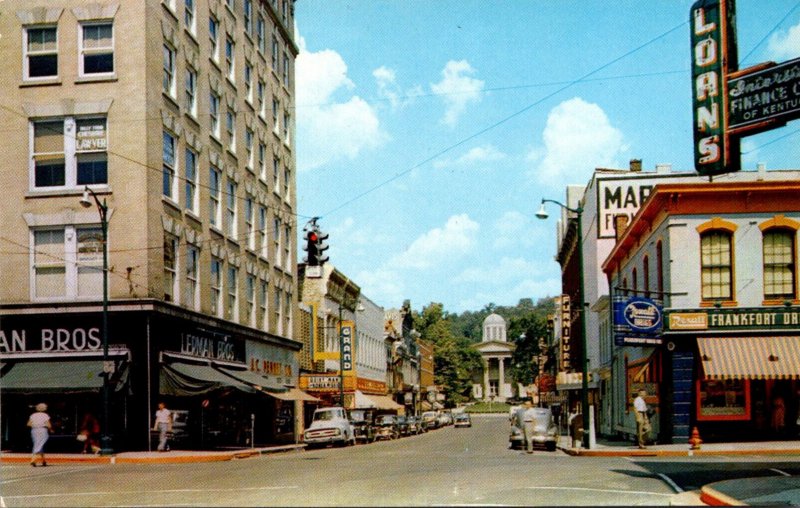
330, 426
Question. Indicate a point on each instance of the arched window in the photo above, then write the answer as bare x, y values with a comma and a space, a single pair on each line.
779, 264
716, 260
660, 268
646, 276
634, 281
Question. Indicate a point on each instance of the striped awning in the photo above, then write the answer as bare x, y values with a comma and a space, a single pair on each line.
750, 357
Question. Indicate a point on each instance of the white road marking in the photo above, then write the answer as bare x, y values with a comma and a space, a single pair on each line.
671, 483
57, 472
613, 491
151, 492
784, 473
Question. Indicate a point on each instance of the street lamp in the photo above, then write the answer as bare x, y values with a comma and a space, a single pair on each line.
102, 208
542, 214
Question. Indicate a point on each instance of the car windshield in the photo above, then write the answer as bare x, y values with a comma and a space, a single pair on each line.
385, 419
324, 415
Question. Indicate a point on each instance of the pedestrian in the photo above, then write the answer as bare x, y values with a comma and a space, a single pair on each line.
39, 422
642, 419
527, 425
163, 424
90, 428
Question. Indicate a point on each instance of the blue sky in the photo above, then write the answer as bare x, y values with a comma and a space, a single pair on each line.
428, 131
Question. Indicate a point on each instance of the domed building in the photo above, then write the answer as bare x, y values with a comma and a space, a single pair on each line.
491, 383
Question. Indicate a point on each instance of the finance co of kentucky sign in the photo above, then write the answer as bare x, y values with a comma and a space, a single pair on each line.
729, 103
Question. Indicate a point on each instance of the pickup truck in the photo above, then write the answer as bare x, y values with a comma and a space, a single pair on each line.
330, 426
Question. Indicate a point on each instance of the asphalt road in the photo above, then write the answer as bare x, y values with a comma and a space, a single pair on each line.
449, 466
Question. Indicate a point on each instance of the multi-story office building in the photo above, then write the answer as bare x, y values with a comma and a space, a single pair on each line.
174, 118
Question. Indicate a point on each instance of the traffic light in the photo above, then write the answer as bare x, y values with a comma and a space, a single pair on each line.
312, 258
321, 247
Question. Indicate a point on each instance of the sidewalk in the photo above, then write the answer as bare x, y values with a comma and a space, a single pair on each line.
170, 457
772, 490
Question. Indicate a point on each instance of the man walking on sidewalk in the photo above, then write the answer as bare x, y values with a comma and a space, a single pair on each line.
642, 420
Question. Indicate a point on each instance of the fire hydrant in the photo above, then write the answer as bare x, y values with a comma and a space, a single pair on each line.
695, 440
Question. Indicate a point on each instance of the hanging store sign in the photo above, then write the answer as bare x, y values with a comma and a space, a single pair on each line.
566, 330
637, 321
766, 98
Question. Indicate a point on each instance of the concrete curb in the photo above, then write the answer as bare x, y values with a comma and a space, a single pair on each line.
654, 452
712, 497
171, 457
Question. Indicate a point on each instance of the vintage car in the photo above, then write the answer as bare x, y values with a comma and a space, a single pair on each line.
361, 420
429, 420
386, 427
415, 425
462, 420
532, 427
329, 426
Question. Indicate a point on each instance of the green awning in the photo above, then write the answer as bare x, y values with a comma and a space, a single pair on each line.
64, 375
254, 379
179, 378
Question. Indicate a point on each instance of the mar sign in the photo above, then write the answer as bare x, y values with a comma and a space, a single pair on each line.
730, 103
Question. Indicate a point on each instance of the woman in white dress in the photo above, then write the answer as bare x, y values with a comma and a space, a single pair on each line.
39, 422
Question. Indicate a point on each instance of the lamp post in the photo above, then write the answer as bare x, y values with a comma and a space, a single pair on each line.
102, 209
542, 214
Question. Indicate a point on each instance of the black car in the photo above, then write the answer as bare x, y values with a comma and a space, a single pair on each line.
361, 420
403, 426
386, 427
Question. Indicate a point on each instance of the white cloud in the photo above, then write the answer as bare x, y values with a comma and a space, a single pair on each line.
439, 245
577, 138
383, 284
457, 89
476, 155
329, 128
785, 45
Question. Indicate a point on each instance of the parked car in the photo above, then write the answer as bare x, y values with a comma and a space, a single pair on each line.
462, 420
361, 420
402, 425
329, 426
415, 425
445, 418
429, 420
386, 427
534, 425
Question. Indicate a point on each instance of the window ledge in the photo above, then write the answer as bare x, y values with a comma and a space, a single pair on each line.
170, 98
171, 202
780, 302
216, 230
191, 116
190, 214
101, 189
106, 78
722, 303
192, 34
41, 82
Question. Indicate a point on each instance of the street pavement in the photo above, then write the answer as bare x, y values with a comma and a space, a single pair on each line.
779, 489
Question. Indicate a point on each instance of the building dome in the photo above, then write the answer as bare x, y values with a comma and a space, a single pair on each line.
494, 328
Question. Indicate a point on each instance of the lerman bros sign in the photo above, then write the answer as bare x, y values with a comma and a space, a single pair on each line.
728, 103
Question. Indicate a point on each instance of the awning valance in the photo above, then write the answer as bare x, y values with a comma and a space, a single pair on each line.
295, 394
62, 375
384, 402
254, 379
750, 357
178, 378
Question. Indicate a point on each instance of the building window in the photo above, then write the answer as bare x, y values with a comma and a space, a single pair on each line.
262, 231
251, 299
262, 103
276, 167
191, 91
192, 293
249, 217
634, 281
216, 286
262, 161
67, 262
230, 53
189, 16
96, 49
275, 51
248, 147
779, 264
263, 296
286, 70
213, 114
230, 208
190, 165
276, 107
232, 307
168, 166
248, 82
287, 234
248, 17
213, 35
276, 238
231, 4
660, 268
277, 309
261, 29
646, 276
170, 268
168, 80
286, 183
214, 191
230, 128
40, 52
716, 265
287, 121
59, 160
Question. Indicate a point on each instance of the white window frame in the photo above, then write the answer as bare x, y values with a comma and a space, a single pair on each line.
263, 303
230, 129
278, 310
27, 54
249, 141
71, 151
190, 180
287, 251
191, 294
248, 82
261, 96
230, 58
285, 69
276, 232
232, 290
215, 197
275, 53
276, 177
247, 17
170, 67
190, 91
68, 259
287, 122
84, 51
276, 121
261, 32
171, 269
169, 173
213, 36
263, 232
262, 161
190, 16
213, 114
250, 297
231, 216
249, 217
215, 276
